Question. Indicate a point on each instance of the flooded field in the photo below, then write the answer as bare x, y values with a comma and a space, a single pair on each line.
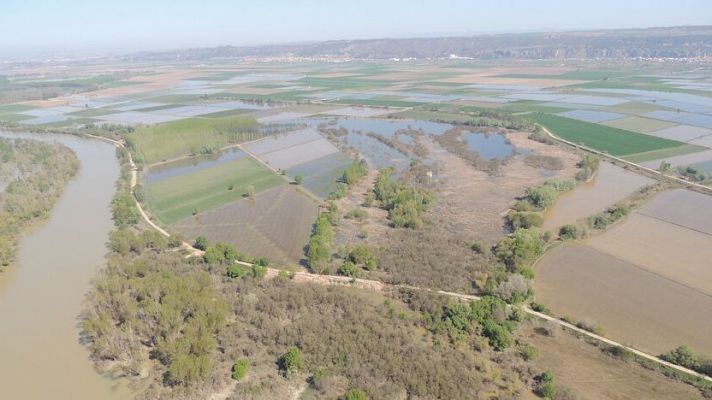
189, 165
40, 296
632, 305
611, 184
488, 146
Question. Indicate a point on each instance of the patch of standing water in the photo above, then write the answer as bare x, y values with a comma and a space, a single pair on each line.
189, 165
488, 146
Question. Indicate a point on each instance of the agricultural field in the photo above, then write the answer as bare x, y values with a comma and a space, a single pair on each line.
275, 224
646, 280
611, 184
178, 197
591, 374
191, 136
617, 142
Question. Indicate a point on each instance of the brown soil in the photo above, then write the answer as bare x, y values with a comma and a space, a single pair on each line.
591, 374
634, 306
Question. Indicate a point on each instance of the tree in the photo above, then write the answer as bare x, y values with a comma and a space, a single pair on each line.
292, 361
201, 243
236, 271
298, 179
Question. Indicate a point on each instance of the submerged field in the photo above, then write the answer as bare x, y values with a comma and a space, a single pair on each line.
179, 197
646, 280
611, 184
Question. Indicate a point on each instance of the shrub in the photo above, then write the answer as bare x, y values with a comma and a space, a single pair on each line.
291, 362
175, 240
236, 271
258, 271
201, 243
547, 386
515, 289
529, 352
571, 232
523, 219
538, 307
481, 247
355, 172
240, 369
685, 357
355, 394
523, 246
298, 179
356, 213
349, 269
362, 255
541, 197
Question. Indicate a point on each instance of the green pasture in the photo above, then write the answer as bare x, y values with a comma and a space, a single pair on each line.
191, 136
176, 198
615, 141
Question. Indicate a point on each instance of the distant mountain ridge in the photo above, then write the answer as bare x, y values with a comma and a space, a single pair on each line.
668, 42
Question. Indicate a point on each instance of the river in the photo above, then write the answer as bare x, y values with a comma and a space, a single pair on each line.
41, 295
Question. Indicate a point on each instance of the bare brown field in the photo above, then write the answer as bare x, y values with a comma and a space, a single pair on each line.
593, 375
276, 224
474, 202
611, 184
634, 306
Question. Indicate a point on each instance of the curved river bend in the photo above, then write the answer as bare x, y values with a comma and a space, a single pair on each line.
41, 295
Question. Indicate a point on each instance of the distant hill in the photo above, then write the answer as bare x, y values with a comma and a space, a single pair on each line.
670, 42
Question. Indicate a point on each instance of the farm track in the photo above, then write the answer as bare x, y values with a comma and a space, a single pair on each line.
303, 276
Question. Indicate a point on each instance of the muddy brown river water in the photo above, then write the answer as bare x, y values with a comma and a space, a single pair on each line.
41, 295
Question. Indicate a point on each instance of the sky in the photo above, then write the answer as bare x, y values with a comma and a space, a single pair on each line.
106, 26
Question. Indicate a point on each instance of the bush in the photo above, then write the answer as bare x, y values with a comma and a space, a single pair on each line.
298, 179
538, 307
686, 357
362, 255
515, 289
201, 243
291, 362
357, 214
571, 232
522, 219
258, 271
175, 240
349, 269
355, 172
481, 247
355, 394
523, 246
240, 369
236, 271
529, 352
547, 386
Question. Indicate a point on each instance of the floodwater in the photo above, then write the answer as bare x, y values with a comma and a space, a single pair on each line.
192, 164
488, 146
611, 184
41, 295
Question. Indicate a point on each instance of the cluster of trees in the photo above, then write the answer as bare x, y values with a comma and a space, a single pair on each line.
124, 210
154, 307
34, 174
687, 358
356, 259
521, 247
405, 203
491, 316
528, 212
321, 241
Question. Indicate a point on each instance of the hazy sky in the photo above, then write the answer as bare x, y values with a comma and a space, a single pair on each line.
127, 25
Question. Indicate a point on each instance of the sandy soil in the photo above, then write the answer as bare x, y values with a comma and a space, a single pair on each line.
635, 306
592, 375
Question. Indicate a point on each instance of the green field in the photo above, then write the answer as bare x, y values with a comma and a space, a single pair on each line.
176, 198
617, 142
191, 136
664, 153
93, 112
